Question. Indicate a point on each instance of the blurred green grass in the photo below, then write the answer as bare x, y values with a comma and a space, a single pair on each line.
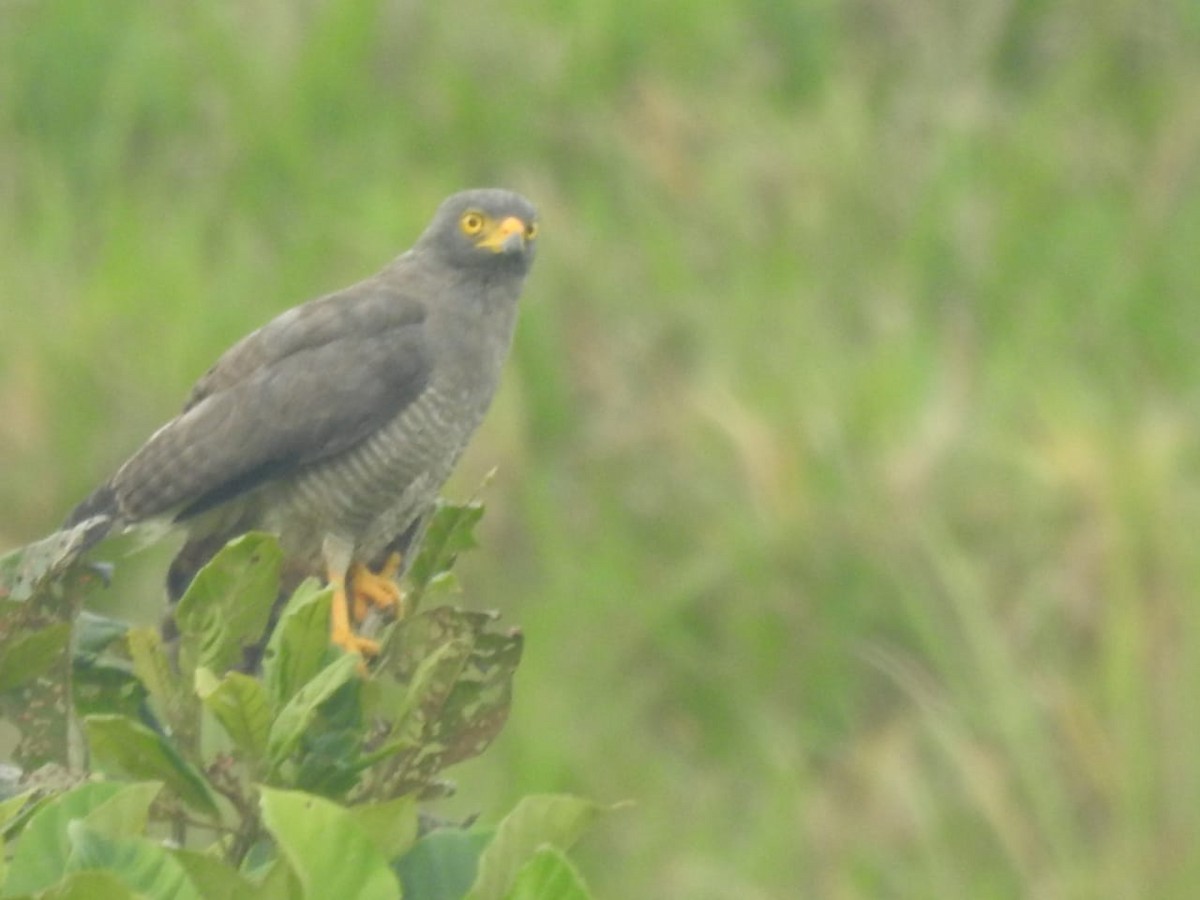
848, 455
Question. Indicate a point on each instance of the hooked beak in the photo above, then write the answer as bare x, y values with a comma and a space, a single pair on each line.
508, 236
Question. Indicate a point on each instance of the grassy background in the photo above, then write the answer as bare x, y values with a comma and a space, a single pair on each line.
847, 483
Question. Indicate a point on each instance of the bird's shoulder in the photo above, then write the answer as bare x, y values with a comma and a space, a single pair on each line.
383, 304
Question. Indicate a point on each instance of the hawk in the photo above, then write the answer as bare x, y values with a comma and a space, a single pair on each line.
335, 424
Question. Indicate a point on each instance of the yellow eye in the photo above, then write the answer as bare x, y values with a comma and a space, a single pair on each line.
471, 223
531, 231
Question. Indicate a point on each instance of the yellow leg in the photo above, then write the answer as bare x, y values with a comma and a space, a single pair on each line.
340, 631
376, 589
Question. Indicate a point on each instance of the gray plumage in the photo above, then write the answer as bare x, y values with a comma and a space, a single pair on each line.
336, 424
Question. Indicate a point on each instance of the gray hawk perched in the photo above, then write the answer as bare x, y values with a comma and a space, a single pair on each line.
335, 425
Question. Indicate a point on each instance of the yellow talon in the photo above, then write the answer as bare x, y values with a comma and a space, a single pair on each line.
359, 590
340, 632
376, 589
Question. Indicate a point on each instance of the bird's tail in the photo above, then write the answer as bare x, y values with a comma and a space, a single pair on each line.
92, 520
100, 503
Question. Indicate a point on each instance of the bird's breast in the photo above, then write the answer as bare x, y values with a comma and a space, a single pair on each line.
373, 491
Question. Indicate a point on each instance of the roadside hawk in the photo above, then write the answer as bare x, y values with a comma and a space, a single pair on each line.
335, 424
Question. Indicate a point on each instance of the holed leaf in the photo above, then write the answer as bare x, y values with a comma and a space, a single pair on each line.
457, 682
36, 657
28, 654
26, 569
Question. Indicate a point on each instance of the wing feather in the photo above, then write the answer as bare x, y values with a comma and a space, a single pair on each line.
310, 384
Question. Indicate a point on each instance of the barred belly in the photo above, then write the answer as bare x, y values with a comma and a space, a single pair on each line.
373, 492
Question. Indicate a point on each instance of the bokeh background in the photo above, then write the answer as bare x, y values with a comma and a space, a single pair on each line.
847, 461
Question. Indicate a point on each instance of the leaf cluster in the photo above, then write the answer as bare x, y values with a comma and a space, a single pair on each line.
298, 778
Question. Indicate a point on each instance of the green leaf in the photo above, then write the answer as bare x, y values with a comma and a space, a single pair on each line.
298, 714
28, 654
213, 878
326, 848
330, 759
46, 784
548, 875
442, 865
41, 855
90, 885
240, 704
126, 813
391, 825
451, 530
228, 603
124, 747
108, 686
168, 694
279, 883
299, 646
95, 633
554, 819
144, 865
12, 807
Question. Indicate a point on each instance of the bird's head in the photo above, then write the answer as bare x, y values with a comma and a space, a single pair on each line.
487, 229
